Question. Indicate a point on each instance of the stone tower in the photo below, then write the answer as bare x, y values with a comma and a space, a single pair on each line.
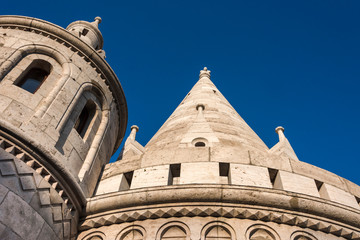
206, 175
62, 115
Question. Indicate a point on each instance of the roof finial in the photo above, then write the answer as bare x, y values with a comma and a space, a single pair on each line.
97, 21
280, 131
205, 73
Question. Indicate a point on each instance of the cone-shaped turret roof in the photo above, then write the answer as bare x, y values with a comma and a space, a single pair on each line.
205, 117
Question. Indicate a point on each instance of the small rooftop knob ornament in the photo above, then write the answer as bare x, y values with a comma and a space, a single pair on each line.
205, 73
88, 32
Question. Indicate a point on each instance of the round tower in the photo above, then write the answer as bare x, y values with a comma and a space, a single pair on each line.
63, 114
206, 175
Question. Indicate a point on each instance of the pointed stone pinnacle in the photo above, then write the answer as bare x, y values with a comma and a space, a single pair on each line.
280, 131
133, 132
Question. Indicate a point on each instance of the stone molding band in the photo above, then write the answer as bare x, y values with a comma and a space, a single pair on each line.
89, 54
252, 196
225, 211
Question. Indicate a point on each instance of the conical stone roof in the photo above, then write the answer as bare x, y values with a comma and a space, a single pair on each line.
203, 117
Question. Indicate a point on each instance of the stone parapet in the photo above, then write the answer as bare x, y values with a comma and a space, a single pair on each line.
307, 182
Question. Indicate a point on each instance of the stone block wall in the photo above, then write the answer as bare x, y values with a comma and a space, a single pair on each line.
33, 204
236, 174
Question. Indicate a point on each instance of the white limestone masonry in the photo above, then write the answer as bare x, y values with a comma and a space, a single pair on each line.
205, 174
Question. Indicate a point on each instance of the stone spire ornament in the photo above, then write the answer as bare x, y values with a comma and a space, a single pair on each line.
88, 32
96, 22
283, 147
205, 73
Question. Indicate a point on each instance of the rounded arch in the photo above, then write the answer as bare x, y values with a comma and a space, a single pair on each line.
257, 231
173, 226
29, 49
91, 98
97, 235
301, 235
200, 142
224, 231
91, 88
134, 230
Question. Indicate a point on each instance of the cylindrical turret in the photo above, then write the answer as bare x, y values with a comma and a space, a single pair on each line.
62, 112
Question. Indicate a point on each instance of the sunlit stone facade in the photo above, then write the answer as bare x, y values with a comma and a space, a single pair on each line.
204, 175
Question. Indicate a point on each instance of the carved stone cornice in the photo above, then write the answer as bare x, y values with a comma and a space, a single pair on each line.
253, 196
240, 211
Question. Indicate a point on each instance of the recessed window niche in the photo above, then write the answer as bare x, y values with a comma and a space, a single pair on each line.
85, 118
34, 76
199, 142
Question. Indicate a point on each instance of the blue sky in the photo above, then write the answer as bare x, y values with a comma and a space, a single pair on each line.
294, 64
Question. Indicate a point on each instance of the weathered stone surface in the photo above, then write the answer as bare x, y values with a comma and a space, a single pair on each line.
15, 212
3, 192
111, 184
158, 175
8, 234
47, 233
335, 194
199, 173
250, 175
295, 183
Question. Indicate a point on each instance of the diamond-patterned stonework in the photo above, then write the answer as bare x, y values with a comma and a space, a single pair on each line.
316, 224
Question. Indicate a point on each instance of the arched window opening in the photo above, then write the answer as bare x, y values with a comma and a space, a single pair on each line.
301, 235
174, 233
200, 144
132, 235
218, 233
261, 234
96, 238
85, 118
36, 74
302, 238
33, 79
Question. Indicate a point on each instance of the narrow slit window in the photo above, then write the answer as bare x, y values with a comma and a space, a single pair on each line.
33, 79
273, 173
224, 172
174, 174
318, 184
128, 176
125, 182
357, 200
321, 189
84, 32
85, 118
